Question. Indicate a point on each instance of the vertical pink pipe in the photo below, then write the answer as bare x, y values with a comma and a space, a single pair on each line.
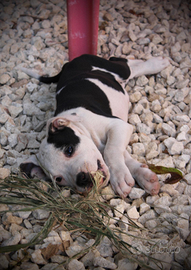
83, 22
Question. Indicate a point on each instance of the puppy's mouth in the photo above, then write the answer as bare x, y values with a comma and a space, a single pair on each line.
87, 180
100, 177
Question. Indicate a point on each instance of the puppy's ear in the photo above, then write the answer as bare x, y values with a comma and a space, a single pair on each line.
31, 169
58, 123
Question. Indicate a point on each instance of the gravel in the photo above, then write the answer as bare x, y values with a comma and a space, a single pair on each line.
34, 35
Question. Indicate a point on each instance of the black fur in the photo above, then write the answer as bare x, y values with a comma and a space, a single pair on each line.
74, 90
83, 94
63, 137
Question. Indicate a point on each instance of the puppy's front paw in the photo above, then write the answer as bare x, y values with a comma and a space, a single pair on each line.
121, 180
147, 179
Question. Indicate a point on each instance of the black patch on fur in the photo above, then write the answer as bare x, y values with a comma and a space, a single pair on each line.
81, 68
83, 94
63, 137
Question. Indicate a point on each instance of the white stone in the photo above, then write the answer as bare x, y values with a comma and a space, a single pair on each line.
183, 222
75, 265
8, 219
14, 240
37, 257
174, 147
136, 193
138, 149
4, 262
142, 80
29, 108
133, 213
167, 188
27, 223
156, 106
45, 24
143, 128
167, 162
163, 201
184, 128
29, 265
102, 262
4, 234
181, 118
187, 177
151, 224
144, 207
125, 264
52, 266
6, 101
119, 209
181, 136
135, 97
171, 80
105, 247
165, 259
138, 109
183, 233
4, 78
73, 249
31, 86
134, 119
4, 172
3, 118
168, 130
115, 202
107, 193
143, 41
40, 214
132, 36
124, 223
181, 161
65, 236
152, 154
15, 110
187, 190
182, 84
87, 260
162, 208
12, 139
53, 238
151, 214
126, 48
58, 259
181, 94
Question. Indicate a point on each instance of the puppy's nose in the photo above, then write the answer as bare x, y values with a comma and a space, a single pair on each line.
83, 179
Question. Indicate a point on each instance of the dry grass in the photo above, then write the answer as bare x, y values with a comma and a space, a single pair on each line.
86, 214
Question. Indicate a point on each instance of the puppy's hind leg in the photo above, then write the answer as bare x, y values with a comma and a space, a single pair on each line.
151, 66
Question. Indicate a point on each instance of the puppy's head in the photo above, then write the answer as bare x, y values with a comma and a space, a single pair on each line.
68, 155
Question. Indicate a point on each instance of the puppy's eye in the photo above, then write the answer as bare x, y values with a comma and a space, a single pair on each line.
68, 150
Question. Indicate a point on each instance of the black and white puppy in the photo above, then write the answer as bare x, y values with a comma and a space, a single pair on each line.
89, 131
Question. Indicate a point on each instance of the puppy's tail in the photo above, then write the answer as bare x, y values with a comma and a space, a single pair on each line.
43, 79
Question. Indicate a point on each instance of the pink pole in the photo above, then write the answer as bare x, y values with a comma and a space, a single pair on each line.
83, 22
